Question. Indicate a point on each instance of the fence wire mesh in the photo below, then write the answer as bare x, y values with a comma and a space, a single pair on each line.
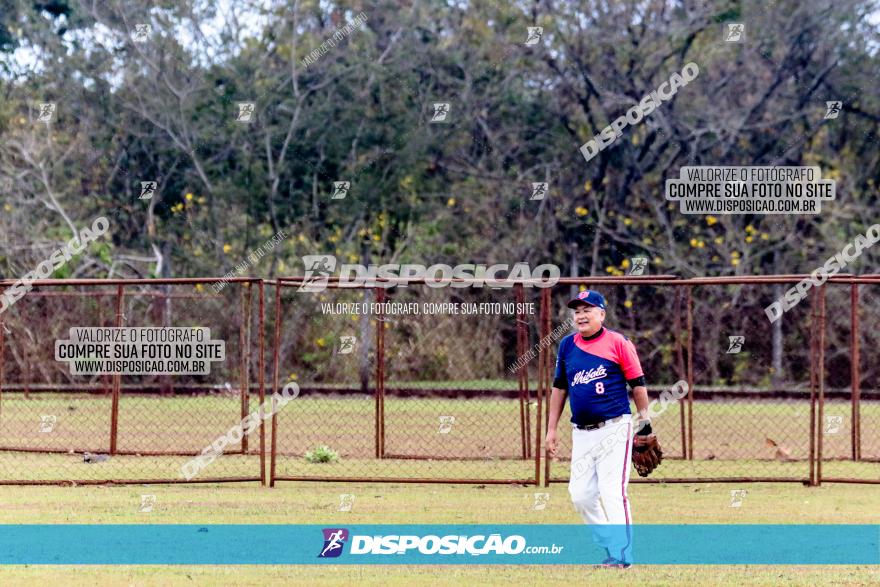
646, 315
751, 404
850, 413
330, 352
55, 426
425, 392
439, 384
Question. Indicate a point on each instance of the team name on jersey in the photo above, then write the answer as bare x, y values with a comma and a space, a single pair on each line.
585, 376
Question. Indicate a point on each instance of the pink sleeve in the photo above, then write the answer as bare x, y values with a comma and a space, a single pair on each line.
629, 360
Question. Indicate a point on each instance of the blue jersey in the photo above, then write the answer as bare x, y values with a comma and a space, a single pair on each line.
595, 372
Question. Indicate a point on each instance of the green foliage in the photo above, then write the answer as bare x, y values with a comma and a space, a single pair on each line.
456, 192
322, 454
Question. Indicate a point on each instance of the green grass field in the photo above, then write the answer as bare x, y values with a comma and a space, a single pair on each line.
756, 438
317, 503
730, 439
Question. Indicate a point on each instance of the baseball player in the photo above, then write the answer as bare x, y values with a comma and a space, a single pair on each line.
593, 368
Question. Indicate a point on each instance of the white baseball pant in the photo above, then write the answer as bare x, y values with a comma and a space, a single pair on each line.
600, 468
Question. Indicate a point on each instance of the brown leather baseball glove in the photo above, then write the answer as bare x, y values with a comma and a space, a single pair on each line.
646, 454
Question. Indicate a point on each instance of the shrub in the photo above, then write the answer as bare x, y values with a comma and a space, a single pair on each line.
322, 454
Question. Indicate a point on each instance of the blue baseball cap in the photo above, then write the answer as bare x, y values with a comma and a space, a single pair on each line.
589, 297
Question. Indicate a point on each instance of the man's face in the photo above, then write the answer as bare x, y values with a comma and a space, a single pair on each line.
588, 319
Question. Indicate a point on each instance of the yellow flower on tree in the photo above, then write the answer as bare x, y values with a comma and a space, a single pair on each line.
227, 248
624, 263
718, 240
188, 197
734, 262
199, 287
628, 304
711, 220
750, 229
581, 211
627, 221
588, 186
321, 342
693, 242
765, 236
749, 239
450, 202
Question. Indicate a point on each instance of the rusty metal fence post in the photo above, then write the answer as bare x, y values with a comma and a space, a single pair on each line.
855, 373
2, 359
117, 379
679, 363
522, 375
543, 388
690, 371
380, 374
813, 337
243, 359
821, 376
262, 379
276, 359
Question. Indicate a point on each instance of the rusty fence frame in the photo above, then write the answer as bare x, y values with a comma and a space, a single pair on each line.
855, 378
115, 387
683, 361
817, 367
379, 388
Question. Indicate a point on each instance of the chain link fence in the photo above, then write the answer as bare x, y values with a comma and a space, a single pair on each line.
413, 383
647, 314
769, 401
851, 398
407, 382
59, 427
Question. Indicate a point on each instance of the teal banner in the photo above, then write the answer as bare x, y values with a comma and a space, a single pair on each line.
434, 544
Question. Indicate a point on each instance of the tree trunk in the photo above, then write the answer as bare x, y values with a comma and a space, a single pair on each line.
366, 337
776, 341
